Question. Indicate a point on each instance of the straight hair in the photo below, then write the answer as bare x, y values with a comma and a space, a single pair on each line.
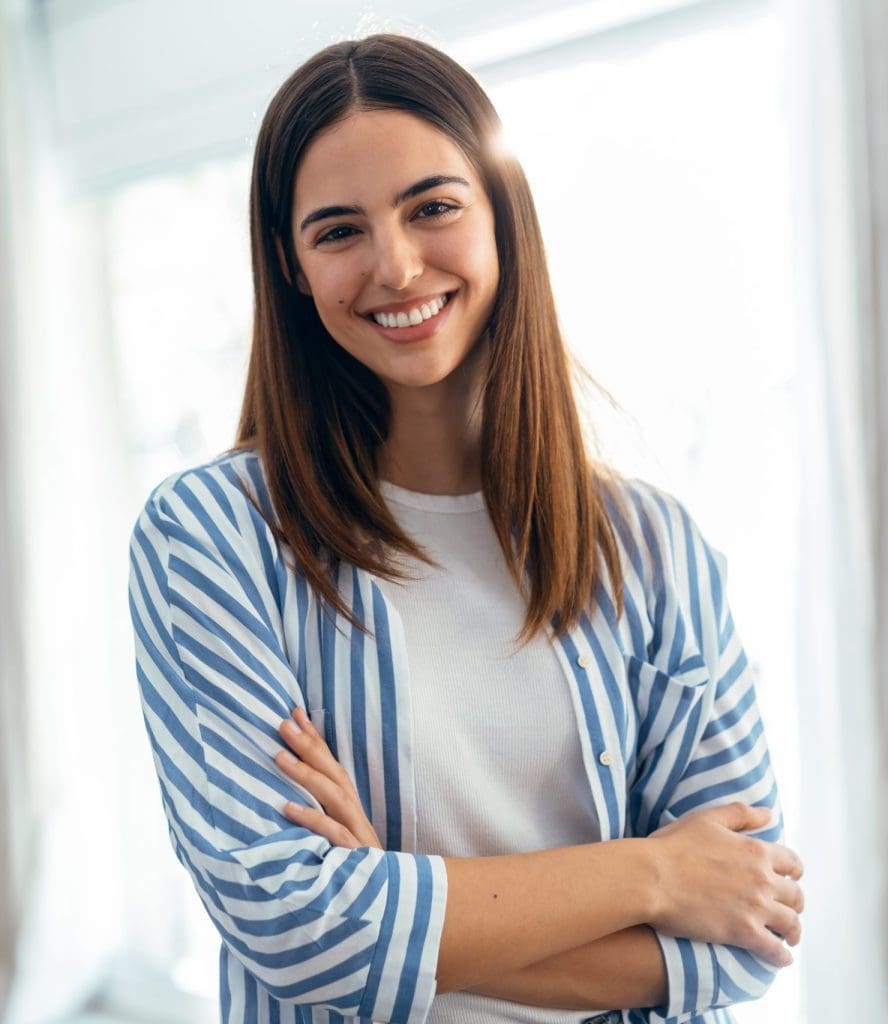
317, 416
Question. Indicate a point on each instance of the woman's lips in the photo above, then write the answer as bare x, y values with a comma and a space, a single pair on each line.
416, 332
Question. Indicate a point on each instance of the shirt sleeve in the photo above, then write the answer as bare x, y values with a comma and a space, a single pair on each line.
701, 740
355, 931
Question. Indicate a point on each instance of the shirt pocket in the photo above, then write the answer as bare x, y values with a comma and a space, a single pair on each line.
663, 701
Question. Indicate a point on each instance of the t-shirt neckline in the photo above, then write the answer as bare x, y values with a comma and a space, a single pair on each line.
450, 503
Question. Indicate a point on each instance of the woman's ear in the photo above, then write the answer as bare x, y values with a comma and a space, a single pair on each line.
301, 280
282, 260
302, 283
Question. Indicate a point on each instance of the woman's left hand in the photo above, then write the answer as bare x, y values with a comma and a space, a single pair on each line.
342, 820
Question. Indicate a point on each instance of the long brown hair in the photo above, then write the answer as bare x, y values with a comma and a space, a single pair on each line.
317, 416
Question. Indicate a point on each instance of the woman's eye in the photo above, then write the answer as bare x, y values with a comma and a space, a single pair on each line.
436, 208
336, 234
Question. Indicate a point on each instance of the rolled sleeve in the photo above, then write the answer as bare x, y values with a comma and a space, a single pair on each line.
692, 977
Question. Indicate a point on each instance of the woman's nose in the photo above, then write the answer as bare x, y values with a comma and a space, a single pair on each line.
397, 260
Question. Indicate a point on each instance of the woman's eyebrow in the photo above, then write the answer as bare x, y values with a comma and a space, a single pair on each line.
423, 185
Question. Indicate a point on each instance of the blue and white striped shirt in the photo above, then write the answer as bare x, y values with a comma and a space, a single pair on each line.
229, 639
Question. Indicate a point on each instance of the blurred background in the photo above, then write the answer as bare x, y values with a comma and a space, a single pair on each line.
712, 179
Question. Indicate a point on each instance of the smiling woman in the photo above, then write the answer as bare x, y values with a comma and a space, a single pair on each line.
526, 745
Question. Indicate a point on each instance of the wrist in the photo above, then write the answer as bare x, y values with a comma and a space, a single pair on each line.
648, 869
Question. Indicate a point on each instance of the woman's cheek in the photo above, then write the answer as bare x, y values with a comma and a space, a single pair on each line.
336, 288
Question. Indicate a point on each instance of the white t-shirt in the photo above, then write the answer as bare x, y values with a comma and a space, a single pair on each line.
498, 765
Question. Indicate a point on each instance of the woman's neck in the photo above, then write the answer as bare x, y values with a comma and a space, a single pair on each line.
434, 442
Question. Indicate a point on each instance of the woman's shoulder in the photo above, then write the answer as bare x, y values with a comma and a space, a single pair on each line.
236, 474
222, 495
657, 533
672, 574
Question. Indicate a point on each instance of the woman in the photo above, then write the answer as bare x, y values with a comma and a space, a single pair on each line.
410, 486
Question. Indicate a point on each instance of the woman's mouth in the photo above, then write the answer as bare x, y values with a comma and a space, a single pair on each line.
415, 322
413, 316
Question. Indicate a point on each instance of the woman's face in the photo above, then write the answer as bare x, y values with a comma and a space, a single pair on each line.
390, 221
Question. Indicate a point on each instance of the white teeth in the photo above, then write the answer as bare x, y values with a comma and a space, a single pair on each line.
415, 316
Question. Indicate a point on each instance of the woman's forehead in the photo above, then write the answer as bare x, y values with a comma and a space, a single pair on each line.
372, 150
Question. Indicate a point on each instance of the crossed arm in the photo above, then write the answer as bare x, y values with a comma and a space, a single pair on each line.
622, 967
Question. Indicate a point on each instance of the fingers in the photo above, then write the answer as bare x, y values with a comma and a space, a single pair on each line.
316, 770
303, 738
300, 715
323, 789
321, 824
342, 807
785, 922
771, 948
790, 894
786, 862
740, 817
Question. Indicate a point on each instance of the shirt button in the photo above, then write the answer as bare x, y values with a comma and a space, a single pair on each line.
605, 758
584, 661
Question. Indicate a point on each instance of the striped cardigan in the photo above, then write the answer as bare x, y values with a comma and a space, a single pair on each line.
229, 639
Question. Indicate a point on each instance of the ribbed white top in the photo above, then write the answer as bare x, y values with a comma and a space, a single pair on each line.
498, 766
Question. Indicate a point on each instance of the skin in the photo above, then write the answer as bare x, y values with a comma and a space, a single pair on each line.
440, 240
592, 944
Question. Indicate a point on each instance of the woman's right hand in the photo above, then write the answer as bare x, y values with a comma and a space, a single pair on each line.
341, 820
717, 885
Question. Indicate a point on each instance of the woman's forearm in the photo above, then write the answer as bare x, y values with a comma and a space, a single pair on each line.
695, 877
507, 912
625, 969
529, 920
